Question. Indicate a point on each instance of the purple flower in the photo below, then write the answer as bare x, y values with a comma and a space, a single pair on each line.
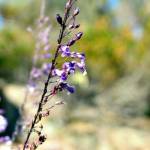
5, 139
64, 76
69, 67
47, 56
46, 68
67, 87
65, 51
81, 66
57, 72
35, 73
60, 73
81, 56
44, 36
47, 47
3, 123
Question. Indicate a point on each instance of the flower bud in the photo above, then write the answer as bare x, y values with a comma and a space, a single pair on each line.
76, 11
71, 42
77, 26
70, 26
79, 35
42, 138
59, 19
68, 5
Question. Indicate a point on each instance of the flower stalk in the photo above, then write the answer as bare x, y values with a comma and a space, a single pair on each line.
62, 74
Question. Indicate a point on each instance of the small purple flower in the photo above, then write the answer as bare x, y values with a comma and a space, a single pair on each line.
3, 123
47, 56
57, 72
81, 66
46, 68
5, 139
47, 47
67, 87
64, 76
35, 73
78, 55
44, 36
69, 67
60, 73
65, 51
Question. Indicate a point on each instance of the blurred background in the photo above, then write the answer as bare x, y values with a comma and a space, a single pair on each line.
111, 107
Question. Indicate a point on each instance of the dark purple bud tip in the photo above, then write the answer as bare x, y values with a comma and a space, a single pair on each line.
42, 138
79, 35
59, 19
66, 86
76, 12
77, 26
71, 42
71, 26
70, 89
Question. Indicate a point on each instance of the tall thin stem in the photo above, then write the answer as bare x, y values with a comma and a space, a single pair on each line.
34, 61
63, 27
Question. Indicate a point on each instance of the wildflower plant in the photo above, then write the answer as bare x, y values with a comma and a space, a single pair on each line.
56, 73
37, 73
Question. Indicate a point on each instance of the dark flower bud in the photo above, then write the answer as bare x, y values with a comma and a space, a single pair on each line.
76, 11
45, 114
59, 19
77, 26
42, 138
71, 26
71, 42
66, 86
79, 35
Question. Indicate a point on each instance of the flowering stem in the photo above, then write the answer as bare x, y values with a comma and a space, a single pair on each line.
40, 106
19, 123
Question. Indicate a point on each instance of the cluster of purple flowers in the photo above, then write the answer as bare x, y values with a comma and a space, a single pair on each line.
77, 62
55, 71
41, 52
69, 67
43, 48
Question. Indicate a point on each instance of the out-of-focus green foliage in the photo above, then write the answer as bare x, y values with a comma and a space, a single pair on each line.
108, 50
111, 50
16, 47
116, 89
